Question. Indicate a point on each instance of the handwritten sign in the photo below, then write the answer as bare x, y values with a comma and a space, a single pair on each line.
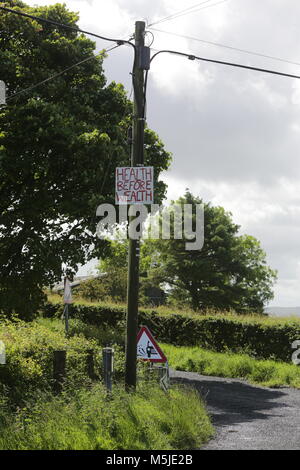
134, 185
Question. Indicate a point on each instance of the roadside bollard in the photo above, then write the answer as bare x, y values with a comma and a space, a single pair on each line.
108, 366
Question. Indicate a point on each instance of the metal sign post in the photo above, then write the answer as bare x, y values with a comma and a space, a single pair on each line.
108, 367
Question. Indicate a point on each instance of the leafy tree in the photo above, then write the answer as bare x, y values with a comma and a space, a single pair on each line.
230, 271
112, 283
111, 286
59, 145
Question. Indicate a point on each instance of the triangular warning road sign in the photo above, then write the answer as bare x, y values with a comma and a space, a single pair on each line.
147, 347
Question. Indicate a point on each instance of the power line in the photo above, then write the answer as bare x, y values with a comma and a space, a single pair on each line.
231, 64
177, 13
119, 42
55, 75
227, 47
62, 25
187, 11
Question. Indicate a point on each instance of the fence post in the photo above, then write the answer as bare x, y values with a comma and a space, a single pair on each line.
108, 366
59, 370
90, 364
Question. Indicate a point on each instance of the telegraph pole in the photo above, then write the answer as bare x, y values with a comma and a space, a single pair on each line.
137, 159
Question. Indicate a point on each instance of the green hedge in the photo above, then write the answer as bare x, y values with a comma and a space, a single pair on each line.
258, 338
29, 359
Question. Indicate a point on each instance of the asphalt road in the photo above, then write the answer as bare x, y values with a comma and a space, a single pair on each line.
247, 417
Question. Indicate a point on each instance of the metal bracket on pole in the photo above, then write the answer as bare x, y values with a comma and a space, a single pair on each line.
143, 57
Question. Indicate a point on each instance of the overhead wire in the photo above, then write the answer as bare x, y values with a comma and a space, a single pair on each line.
227, 46
185, 12
161, 20
122, 41
118, 42
66, 26
221, 62
42, 82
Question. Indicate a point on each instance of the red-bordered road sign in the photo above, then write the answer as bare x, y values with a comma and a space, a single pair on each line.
147, 347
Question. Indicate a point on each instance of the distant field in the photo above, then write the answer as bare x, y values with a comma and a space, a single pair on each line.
283, 311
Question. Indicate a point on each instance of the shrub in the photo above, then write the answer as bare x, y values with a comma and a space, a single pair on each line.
29, 358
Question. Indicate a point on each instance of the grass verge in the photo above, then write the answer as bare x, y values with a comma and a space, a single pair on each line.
263, 372
83, 416
89, 420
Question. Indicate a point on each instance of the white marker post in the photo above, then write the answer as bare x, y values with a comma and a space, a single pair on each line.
67, 300
2, 353
2, 92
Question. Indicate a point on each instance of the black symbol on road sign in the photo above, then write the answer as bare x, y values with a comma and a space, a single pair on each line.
141, 351
150, 350
147, 347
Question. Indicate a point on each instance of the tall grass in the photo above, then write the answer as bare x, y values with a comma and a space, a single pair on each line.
90, 420
262, 372
84, 416
168, 310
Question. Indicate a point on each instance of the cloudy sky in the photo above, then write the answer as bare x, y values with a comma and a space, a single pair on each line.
234, 134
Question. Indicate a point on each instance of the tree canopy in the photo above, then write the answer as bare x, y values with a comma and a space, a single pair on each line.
229, 272
59, 145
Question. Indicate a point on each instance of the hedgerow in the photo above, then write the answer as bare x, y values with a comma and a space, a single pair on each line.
261, 339
83, 416
241, 366
29, 358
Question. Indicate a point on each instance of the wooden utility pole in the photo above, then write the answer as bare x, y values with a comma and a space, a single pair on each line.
137, 159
